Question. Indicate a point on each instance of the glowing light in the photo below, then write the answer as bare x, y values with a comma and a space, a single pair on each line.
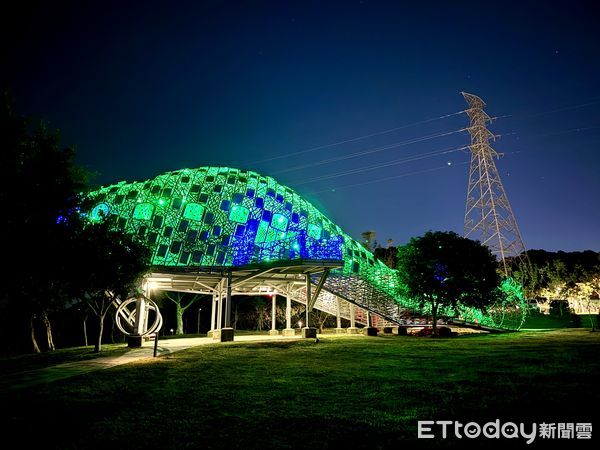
193, 211
143, 211
314, 231
233, 217
239, 214
279, 222
99, 212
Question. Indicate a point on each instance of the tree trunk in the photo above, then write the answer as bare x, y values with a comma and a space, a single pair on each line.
235, 317
36, 347
112, 329
179, 314
434, 320
48, 325
98, 345
85, 338
259, 319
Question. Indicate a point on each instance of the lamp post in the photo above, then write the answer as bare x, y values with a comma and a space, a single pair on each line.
199, 311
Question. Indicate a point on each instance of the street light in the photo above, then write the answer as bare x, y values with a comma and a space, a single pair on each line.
199, 311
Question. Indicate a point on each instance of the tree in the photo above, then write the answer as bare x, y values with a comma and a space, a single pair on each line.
107, 264
260, 312
443, 269
320, 318
369, 239
40, 182
563, 275
181, 306
387, 255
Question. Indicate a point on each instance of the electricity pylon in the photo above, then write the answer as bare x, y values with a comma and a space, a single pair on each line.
488, 215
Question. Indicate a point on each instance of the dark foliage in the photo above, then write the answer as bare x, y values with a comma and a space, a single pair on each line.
41, 183
443, 268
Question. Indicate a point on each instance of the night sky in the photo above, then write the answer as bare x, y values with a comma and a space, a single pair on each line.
148, 87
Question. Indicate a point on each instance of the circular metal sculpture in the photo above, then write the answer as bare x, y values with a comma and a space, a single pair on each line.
130, 324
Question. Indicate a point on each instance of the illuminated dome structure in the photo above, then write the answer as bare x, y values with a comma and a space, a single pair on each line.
225, 217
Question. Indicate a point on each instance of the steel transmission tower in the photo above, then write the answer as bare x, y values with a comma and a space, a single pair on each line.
488, 215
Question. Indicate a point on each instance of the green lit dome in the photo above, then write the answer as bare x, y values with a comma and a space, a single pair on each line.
219, 216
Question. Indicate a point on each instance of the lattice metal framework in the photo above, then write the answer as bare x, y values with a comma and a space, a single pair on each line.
219, 216
488, 215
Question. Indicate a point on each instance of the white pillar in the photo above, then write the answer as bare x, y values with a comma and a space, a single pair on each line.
288, 311
352, 328
227, 322
220, 313
273, 330
308, 296
273, 307
213, 312
289, 331
338, 316
308, 331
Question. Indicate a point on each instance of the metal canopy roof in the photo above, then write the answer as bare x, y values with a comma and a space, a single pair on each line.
264, 278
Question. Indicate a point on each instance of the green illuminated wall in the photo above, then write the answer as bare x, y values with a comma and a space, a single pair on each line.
219, 216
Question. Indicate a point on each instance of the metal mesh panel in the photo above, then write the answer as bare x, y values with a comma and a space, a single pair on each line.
279, 225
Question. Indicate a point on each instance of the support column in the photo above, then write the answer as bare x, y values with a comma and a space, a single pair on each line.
308, 297
213, 315
352, 328
288, 331
273, 331
338, 318
370, 330
308, 332
219, 322
227, 332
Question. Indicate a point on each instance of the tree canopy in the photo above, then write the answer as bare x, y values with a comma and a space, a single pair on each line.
55, 256
107, 264
39, 184
442, 269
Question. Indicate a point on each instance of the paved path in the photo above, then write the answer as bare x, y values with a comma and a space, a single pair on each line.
35, 377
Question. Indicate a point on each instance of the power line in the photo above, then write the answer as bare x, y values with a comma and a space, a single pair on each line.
572, 130
391, 130
553, 111
368, 151
366, 136
378, 180
394, 162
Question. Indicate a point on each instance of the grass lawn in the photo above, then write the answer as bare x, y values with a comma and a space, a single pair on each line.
343, 392
32, 361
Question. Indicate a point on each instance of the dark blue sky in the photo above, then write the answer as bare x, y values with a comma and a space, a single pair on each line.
147, 87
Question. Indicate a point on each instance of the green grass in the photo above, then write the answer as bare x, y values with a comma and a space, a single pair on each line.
536, 320
343, 392
31, 361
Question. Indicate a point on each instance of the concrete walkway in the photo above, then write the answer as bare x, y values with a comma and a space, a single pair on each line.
35, 377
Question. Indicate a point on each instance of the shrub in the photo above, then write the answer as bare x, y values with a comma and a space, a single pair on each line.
444, 332
424, 332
